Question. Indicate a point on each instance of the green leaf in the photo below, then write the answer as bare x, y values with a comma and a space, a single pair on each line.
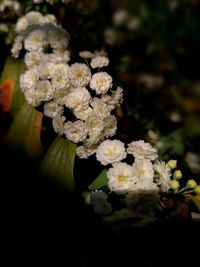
58, 163
100, 181
24, 132
11, 95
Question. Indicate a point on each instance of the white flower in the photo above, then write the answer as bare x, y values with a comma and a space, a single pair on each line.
33, 59
94, 124
29, 79
17, 46
99, 62
36, 41
60, 78
58, 37
121, 178
21, 24
100, 108
80, 75
30, 96
60, 95
86, 54
44, 91
164, 173
114, 100
144, 173
34, 17
58, 124
83, 113
110, 151
52, 109
101, 82
142, 150
110, 126
75, 131
120, 17
50, 18
99, 202
46, 69
61, 56
84, 152
79, 97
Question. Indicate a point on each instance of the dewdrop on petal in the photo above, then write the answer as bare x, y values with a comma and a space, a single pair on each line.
172, 164
191, 183
177, 175
174, 184
197, 189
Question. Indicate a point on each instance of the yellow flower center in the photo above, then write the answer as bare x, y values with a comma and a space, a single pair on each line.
121, 178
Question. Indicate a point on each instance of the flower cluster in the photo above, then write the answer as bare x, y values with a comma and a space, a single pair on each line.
139, 179
82, 91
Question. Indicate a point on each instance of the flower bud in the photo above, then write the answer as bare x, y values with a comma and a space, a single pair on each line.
174, 184
172, 164
197, 189
191, 183
177, 175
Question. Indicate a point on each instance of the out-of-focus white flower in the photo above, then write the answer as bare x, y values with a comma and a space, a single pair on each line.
193, 161
141, 150
50, 18
99, 62
151, 81
144, 174
80, 75
99, 202
79, 97
58, 124
61, 56
57, 37
35, 41
75, 131
34, 17
133, 23
101, 82
86, 54
4, 27
164, 175
110, 151
120, 17
121, 178
22, 24
30, 96
11, 4
52, 109
17, 46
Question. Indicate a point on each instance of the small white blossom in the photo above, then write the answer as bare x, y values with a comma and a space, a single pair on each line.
121, 178
58, 37
34, 17
79, 97
84, 152
60, 95
80, 75
60, 78
46, 69
17, 46
142, 150
86, 54
58, 124
22, 24
100, 108
114, 100
36, 41
33, 59
110, 151
29, 79
164, 173
101, 82
83, 113
120, 17
99, 62
110, 126
52, 109
144, 173
75, 131
50, 18
44, 91
94, 124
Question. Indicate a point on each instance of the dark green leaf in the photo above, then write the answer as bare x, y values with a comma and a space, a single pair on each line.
100, 181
